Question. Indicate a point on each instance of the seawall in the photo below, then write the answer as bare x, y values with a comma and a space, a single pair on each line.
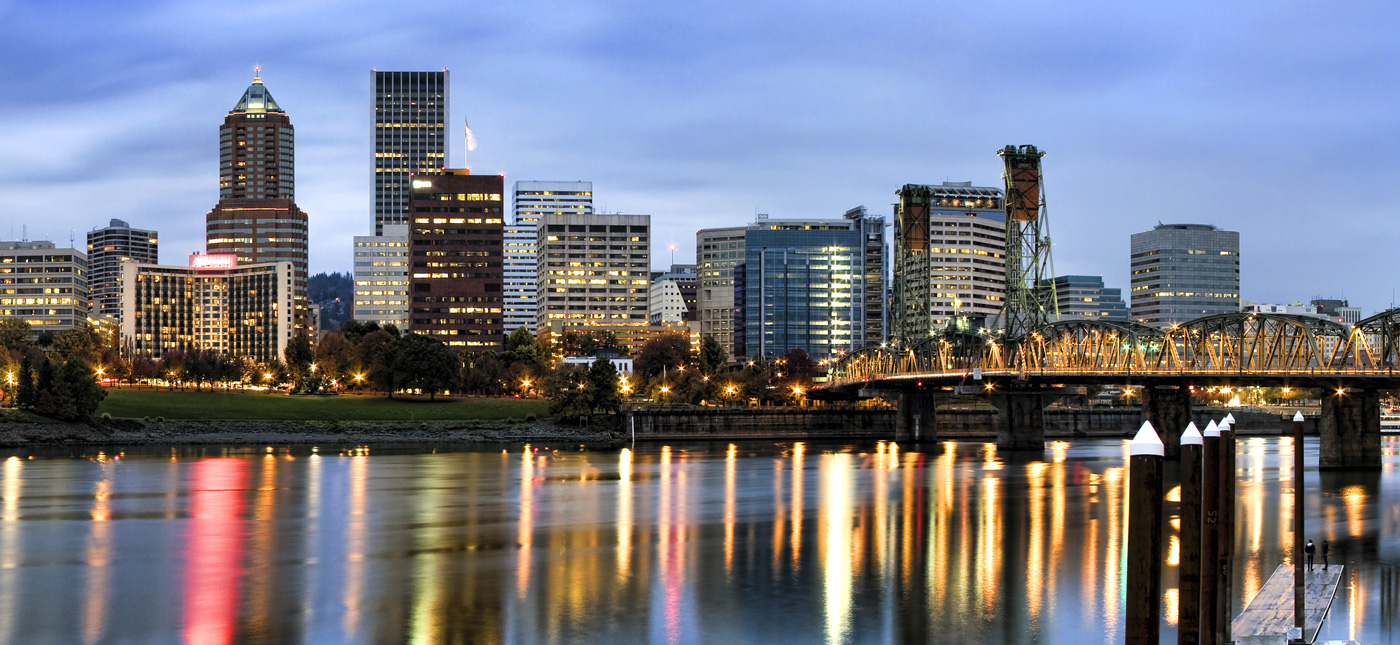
673, 424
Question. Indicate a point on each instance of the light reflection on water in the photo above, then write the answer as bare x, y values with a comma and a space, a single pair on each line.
671, 544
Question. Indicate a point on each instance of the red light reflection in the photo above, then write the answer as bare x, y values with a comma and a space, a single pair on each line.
213, 551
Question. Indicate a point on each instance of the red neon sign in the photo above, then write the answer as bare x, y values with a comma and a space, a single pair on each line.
213, 261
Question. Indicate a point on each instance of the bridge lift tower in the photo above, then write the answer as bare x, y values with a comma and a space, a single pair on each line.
1028, 264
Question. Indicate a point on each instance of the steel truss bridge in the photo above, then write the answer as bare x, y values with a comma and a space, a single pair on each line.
1244, 349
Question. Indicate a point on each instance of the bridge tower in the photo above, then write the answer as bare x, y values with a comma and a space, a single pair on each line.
912, 268
1027, 244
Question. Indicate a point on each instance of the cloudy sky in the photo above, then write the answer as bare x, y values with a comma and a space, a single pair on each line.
1276, 119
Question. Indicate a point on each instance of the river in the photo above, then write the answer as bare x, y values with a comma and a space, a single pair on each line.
680, 543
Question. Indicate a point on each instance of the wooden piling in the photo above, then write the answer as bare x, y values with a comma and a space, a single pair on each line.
1299, 604
1142, 622
1226, 542
1210, 535
1188, 624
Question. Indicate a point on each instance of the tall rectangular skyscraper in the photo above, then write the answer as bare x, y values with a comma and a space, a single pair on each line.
813, 285
455, 260
1184, 271
107, 248
593, 270
533, 200
717, 252
950, 256
410, 138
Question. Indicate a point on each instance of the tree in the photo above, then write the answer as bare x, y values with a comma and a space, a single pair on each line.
376, 357
299, 356
26, 393
566, 389
80, 343
662, 353
424, 363
603, 385
522, 347
335, 356
712, 358
798, 367
14, 333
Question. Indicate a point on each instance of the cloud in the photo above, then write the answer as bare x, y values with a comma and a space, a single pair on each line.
1270, 119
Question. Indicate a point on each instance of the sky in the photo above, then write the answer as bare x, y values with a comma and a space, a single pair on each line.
1275, 119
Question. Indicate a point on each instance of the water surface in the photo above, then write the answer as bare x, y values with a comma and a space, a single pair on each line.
680, 543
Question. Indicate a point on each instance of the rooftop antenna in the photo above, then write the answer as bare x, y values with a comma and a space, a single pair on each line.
471, 143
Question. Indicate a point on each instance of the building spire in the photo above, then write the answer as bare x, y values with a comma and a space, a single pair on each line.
256, 98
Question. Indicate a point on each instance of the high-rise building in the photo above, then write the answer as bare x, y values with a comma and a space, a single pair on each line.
717, 251
410, 138
876, 267
950, 260
381, 277
44, 285
216, 303
521, 279
1084, 297
593, 270
1184, 271
257, 218
456, 272
535, 199
531, 201
107, 249
811, 286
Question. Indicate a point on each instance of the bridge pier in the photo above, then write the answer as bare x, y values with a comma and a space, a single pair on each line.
1351, 431
1168, 407
917, 417
1020, 419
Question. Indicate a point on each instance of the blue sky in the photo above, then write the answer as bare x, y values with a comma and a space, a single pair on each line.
1275, 119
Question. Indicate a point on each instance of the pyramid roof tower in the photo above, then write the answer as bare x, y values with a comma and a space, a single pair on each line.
257, 99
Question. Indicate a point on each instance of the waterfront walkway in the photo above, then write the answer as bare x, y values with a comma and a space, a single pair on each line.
1269, 617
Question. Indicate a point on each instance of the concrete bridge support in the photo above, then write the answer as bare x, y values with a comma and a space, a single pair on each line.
1168, 407
1020, 419
916, 419
1351, 431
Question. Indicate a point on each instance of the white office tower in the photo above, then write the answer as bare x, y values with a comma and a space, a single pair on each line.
521, 277
381, 277
532, 201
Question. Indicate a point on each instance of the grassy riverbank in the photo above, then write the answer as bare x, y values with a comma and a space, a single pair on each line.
280, 407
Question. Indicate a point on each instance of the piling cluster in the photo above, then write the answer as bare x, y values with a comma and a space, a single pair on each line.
1206, 556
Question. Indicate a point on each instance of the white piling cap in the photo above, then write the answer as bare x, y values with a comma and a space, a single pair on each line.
1229, 418
1212, 430
1298, 417
1146, 442
1191, 436
1226, 426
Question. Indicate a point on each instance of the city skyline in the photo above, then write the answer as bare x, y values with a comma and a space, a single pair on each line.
1249, 120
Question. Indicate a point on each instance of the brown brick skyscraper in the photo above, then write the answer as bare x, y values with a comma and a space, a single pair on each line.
456, 237
257, 217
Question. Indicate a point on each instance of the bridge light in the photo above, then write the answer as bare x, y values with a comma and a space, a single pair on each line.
1341, 391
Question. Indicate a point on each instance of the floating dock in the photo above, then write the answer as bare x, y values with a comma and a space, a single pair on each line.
1268, 619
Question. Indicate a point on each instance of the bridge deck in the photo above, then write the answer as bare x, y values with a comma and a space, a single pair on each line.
1269, 616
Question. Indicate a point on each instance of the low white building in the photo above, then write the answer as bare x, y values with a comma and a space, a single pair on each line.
622, 365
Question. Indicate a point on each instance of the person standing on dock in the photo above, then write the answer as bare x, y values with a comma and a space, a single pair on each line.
1309, 549
1324, 555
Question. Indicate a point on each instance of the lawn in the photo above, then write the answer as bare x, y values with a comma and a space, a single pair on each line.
280, 407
